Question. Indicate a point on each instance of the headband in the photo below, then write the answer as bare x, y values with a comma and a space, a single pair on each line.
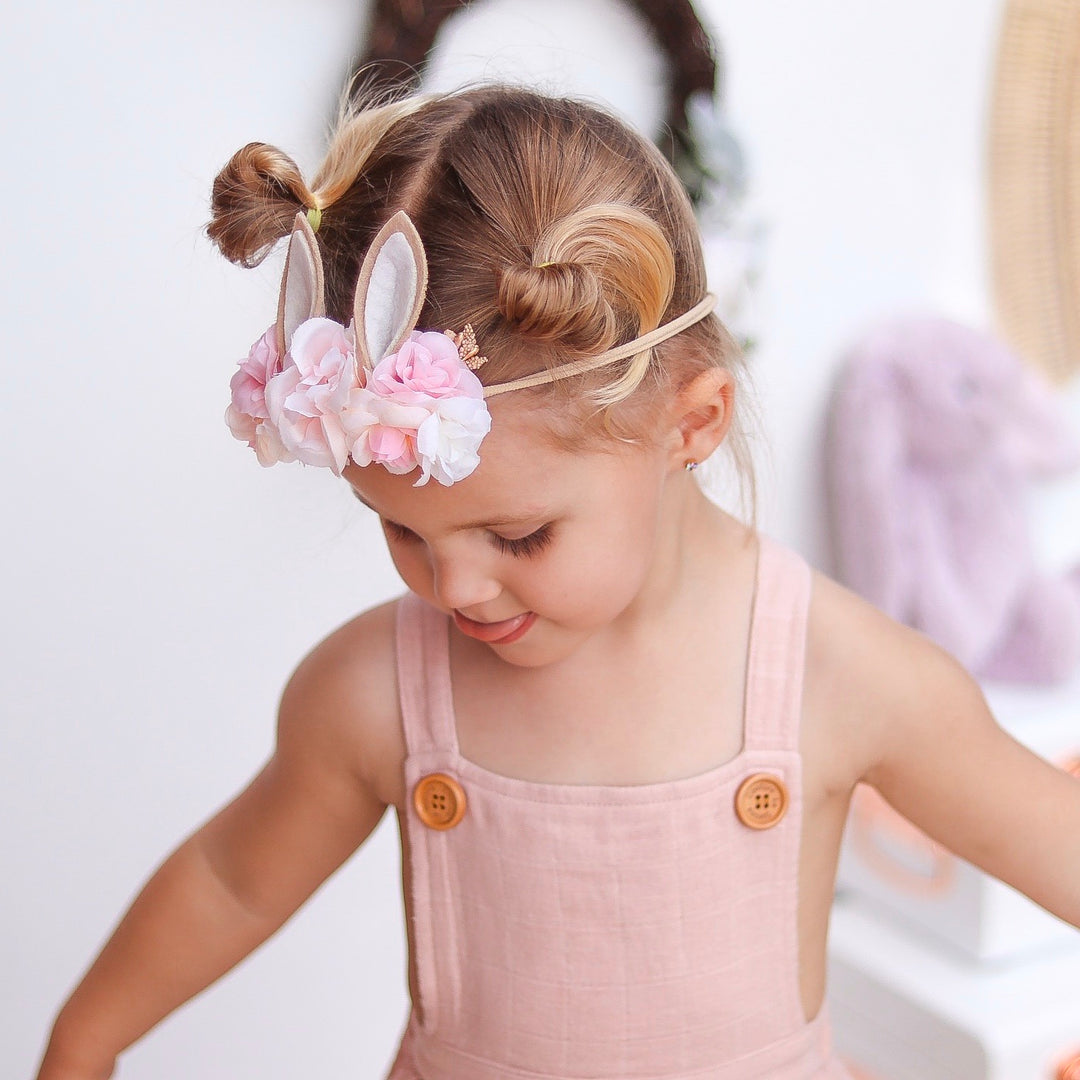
378, 390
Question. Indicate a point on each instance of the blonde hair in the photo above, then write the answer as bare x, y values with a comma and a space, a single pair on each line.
548, 225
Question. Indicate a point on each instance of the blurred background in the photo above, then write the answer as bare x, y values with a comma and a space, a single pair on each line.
159, 587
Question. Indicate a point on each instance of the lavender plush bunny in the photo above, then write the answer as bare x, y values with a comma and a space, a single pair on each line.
934, 432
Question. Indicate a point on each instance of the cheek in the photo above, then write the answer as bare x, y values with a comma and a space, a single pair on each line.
618, 571
412, 563
600, 573
623, 555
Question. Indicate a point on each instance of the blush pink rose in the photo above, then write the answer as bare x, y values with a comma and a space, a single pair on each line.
427, 364
304, 401
247, 415
248, 385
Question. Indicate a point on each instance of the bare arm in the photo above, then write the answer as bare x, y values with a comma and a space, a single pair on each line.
234, 882
950, 769
920, 731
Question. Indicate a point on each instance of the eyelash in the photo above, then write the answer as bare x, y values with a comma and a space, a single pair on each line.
521, 547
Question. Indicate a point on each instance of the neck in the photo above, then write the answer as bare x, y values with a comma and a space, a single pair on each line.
695, 542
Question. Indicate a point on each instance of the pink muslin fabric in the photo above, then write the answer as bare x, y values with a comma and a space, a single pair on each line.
579, 932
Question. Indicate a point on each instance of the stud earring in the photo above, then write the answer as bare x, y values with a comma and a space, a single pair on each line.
691, 465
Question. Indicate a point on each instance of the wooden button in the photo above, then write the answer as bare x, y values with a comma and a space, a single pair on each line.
439, 800
761, 800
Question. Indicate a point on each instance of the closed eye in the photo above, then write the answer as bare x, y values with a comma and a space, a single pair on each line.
521, 546
525, 546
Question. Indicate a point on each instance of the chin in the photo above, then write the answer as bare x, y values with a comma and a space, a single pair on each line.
543, 650
534, 659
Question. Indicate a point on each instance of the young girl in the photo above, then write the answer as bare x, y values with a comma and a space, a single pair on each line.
619, 727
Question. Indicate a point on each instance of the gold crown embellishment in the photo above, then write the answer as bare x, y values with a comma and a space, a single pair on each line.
467, 348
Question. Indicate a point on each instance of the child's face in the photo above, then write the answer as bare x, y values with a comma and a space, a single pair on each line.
570, 537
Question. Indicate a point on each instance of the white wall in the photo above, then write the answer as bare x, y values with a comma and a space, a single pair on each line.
160, 586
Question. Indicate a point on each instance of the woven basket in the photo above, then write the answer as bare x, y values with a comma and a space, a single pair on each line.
1034, 183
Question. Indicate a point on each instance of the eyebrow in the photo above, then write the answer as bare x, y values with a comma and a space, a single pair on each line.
500, 522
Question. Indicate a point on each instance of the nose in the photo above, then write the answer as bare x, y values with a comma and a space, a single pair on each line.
462, 583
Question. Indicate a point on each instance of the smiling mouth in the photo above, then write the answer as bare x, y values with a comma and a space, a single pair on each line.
496, 633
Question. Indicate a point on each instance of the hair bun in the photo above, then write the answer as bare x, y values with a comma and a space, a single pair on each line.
604, 271
254, 201
559, 301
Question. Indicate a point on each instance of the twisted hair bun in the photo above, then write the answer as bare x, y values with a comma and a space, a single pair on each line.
254, 201
599, 274
561, 302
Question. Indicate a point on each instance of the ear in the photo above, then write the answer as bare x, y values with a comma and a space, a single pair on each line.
390, 290
302, 295
700, 416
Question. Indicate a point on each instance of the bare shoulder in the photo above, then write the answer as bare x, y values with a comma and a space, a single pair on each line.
867, 676
902, 714
877, 683
341, 702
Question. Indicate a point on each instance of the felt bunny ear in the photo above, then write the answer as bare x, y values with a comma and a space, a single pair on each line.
390, 290
302, 295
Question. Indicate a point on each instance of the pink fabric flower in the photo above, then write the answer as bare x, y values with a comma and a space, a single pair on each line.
427, 364
421, 406
304, 401
247, 415
382, 430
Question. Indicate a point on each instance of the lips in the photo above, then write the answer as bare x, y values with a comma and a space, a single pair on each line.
496, 633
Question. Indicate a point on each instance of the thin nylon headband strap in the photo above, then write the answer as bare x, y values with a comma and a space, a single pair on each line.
620, 352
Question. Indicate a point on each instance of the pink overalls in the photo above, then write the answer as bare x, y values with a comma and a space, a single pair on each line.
565, 932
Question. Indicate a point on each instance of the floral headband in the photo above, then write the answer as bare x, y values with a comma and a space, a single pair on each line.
378, 390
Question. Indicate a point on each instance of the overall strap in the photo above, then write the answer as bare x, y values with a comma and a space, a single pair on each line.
777, 651
423, 668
